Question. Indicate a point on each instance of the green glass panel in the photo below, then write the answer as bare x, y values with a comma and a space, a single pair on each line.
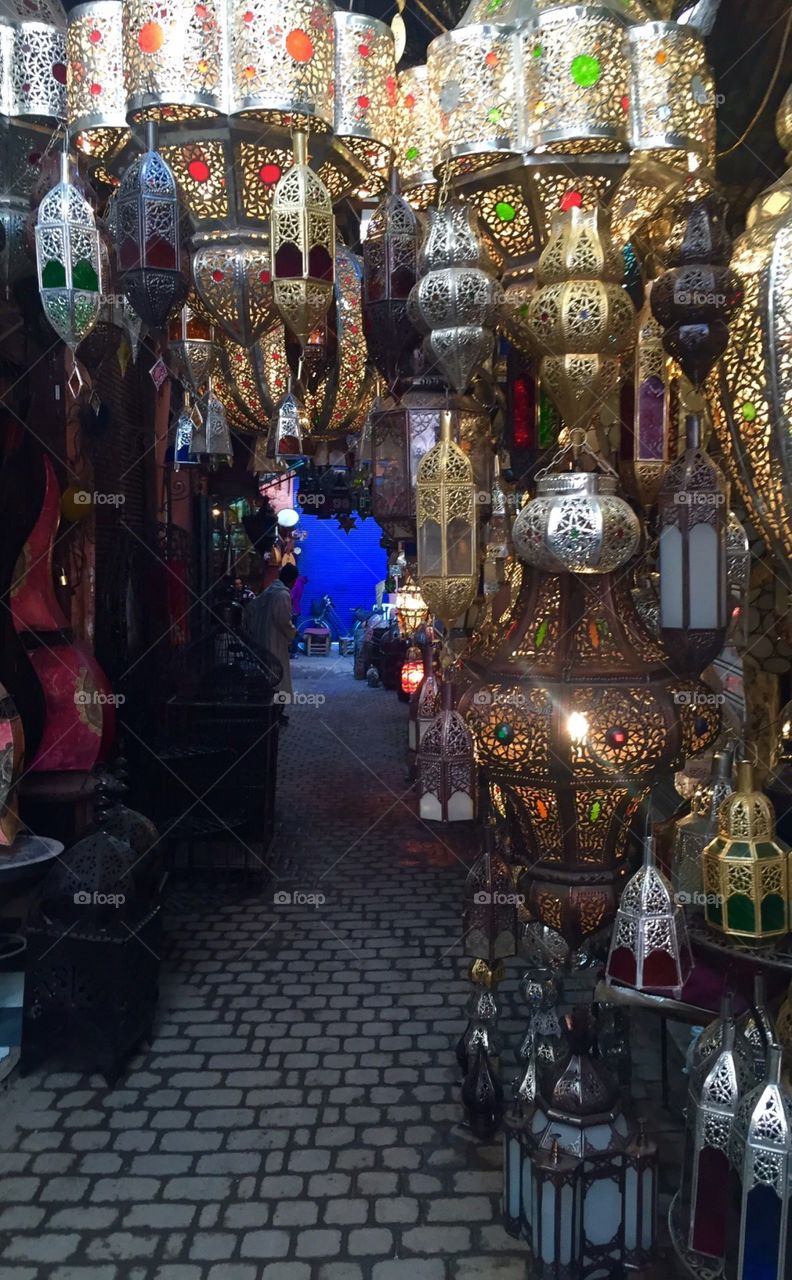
739, 849
541, 633
603, 628
585, 70
713, 913
595, 811
84, 276
767, 849
54, 275
773, 913
740, 914
549, 422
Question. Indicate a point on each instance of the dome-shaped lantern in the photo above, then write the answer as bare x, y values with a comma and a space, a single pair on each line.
649, 948
303, 246
68, 258
233, 279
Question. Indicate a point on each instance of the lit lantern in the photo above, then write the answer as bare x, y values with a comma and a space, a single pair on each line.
576, 523
738, 577
95, 76
672, 93
693, 833
152, 262
412, 672
746, 869
758, 1235
411, 608
191, 349
649, 948
233, 279
69, 261
446, 518
716, 1087
33, 70
417, 123
281, 62
693, 514
364, 102
173, 59
390, 269
303, 246
646, 444
447, 767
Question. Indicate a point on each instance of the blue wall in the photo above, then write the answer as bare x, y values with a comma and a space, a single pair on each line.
347, 567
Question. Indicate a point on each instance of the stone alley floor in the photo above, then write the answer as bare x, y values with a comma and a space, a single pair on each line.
297, 1115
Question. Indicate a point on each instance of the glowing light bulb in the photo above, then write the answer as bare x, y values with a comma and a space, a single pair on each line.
577, 728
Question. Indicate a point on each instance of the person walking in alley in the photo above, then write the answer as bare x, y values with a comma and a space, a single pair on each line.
268, 623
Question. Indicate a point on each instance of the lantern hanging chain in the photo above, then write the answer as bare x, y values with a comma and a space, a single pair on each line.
577, 445
445, 183
433, 17
768, 93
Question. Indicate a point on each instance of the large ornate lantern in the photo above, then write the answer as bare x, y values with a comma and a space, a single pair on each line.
447, 766
233, 279
95, 76
694, 832
446, 520
649, 949
303, 246
746, 869
672, 93
32, 71
152, 262
281, 62
69, 261
173, 59
390, 268
693, 515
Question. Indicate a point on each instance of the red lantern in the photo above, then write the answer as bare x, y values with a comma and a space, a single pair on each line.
412, 671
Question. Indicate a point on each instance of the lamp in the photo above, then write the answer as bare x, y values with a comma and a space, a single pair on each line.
191, 349
709, 1042
446, 521
281, 62
95, 76
33, 74
746, 869
303, 246
217, 438
758, 1029
647, 439
649, 948
173, 60
412, 671
416, 123
672, 93
693, 833
390, 268
233, 279
288, 430
68, 260
12, 756
365, 73
447, 766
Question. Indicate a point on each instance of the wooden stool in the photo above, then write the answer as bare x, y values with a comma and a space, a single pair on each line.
317, 642
346, 644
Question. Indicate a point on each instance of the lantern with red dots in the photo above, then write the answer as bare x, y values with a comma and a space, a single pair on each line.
173, 59
364, 103
412, 671
33, 58
303, 247
281, 62
233, 278
152, 262
95, 76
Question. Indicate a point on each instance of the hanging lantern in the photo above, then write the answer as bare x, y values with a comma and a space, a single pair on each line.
446, 518
716, 1088
696, 296
33, 68
758, 1239
364, 102
411, 610
233, 279
412, 672
646, 443
390, 269
303, 246
173, 60
576, 522
416, 124
191, 349
447, 767
153, 265
455, 302
183, 453
217, 438
95, 76
489, 922
672, 93
281, 62
746, 869
287, 432
69, 261
757, 1028
693, 513
694, 832
738, 578
649, 948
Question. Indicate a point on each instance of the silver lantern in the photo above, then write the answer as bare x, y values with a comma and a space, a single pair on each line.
649, 948
68, 258
576, 523
694, 832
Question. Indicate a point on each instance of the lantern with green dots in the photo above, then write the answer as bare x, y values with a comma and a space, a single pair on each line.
68, 260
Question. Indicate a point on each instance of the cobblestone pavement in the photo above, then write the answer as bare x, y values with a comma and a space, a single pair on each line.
296, 1116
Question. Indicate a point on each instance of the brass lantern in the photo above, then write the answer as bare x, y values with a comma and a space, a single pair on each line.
447, 766
672, 93
233, 279
646, 442
411, 610
153, 263
448, 568
303, 246
416, 123
69, 261
281, 62
390, 268
95, 76
746, 869
191, 349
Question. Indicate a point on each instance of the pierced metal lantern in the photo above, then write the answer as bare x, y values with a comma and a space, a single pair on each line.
233, 279
647, 440
695, 831
153, 264
183, 453
303, 246
33, 71
281, 62
447, 767
427, 704
746, 869
69, 261
716, 1087
757, 1027
672, 93
455, 303
489, 921
649, 948
412, 671
214, 438
390, 268
411, 610
708, 1044
693, 512
446, 520
95, 76
173, 59
758, 1236
576, 523
416, 125
366, 91
738, 578
191, 349
289, 428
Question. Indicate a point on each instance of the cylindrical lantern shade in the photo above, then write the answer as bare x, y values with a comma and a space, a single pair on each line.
417, 117
364, 102
446, 520
672, 92
473, 82
95, 76
303, 246
173, 59
153, 264
281, 62
69, 261
233, 279
33, 71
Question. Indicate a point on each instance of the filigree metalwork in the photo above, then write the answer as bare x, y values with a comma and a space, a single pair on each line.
234, 281
365, 73
303, 247
153, 264
69, 261
173, 59
390, 269
95, 76
672, 92
576, 522
446, 524
32, 71
415, 137
281, 62
649, 948
191, 349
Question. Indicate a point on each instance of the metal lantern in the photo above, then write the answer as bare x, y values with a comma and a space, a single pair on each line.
303, 246
281, 62
746, 869
33, 71
153, 264
455, 302
489, 922
446, 519
416, 126
708, 1044
474, 80
758, 1237
233, 279
184, 454
576, 523
649, 948
757, 1027
191, 349
12, 756
694, 832
693, 514
411, 610
716, 1087
390, 269
365, 98
646, 441
69, 261
216, 442
428, 703
412, 672
173, 59
672, 93
738, 578
95, 76
641, 1178
447, 767
290, 426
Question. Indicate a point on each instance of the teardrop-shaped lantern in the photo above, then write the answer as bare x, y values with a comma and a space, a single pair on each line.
233, 279
303, 246
446, 518
68, 257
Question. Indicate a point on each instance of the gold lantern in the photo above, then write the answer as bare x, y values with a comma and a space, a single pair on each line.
364, 103
415, 133
95, 76
173, 59
281, 62
672, 93
647, 438
446, 516
233, 279
746, 869
303, 246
